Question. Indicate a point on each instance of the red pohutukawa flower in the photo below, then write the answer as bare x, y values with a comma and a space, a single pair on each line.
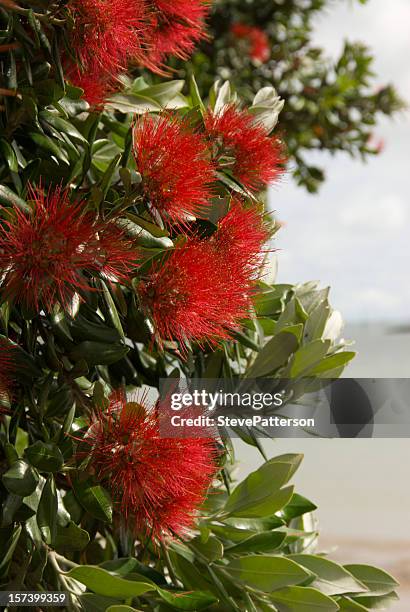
6, 369
46, 255
157, 483
175, 165
202, 290
185, 295
257, 40
96, 87
105, 34
177, 26
240, 238
243, 146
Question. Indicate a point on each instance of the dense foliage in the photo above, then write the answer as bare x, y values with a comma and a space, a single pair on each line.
132, 238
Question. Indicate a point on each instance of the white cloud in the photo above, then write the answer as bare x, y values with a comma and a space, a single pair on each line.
385, 213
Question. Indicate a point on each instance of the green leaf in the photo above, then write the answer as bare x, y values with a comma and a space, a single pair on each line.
112, 310
308, 356
316, 323
62, 125
47, 511
9, 198
196, 600
150, 227
195, 94
10, 452
245, 341
126, 566
266, 573
97, 353
121, 567
45, 456
108, 584
265, 541
83, 329
93, 498
68, 421
231, 184
260, 494
50, 145
274, 355
212, 549
108, 174
163, 93
303, 599
191, 574
348, 605
73, 507
9, 155
379, 602
297, 506
8, 542
269, 301
241, 533
293, 313
328, 365
296, 330
21, 479
332, 578
134, 227
71, 538
132, 103
376, 580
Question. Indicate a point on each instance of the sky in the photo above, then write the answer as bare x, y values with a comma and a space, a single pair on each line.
354, 235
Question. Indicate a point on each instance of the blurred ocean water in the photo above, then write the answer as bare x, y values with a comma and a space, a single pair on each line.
383, 350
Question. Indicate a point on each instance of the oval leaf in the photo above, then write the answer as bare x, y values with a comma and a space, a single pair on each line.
20, 479
45, 456
93, 498
260, 493
300, 599
376, 580
105, 583
267, 573
47, 511
332, 578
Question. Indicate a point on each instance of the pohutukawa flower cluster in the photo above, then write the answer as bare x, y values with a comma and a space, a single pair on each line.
243, 146
108, 35
175, 164
103, 37
231, 139
48, 255
156, 483
201, 291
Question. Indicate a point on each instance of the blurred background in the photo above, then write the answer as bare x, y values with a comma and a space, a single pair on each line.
354, 235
